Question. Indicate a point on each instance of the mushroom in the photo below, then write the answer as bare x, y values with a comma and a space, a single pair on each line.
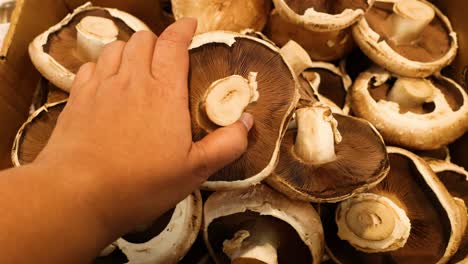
455, 179
458, 151
420, 114
46, 92
442, 153
409, 217
224, 15
328, 157
80, 37
230, 74
321, 27
166, 240
411, 38
330, 84
259, 225
321, 46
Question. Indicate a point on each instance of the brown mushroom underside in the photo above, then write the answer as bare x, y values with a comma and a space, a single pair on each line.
61, 45
37, 133
457, 185
433, 44
430, 225
452, 95
326, 6
349, 171
331, 86
291, 249
276, 87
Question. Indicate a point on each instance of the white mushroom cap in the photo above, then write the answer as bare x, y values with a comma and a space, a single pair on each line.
417, 131
382, 53
319, 21
176, 239
266, 202
51, 68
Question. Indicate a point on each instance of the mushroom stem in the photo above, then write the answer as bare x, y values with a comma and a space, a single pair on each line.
411, 92
93, 33
257, 243
317, 134
409, 19
297, 58
373, 223
227, 98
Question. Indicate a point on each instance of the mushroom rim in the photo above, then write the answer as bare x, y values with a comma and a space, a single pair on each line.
268, 205
443, 165
319, 21
381, 52
51, 68
284, 187
189, 227
451, 124
444, 197
229, 38
19, 134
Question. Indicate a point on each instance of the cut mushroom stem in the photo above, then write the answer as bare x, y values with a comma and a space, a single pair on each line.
227, 98
257, 243
317, 133
93, 33
297, 58
373, 223
411, 92
409, 19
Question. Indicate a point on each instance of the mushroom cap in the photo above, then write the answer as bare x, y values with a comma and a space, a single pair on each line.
322, 16
429, 130
224, 15
455, 179
330, 83
216, 55
321, 46
263, 202
419, 60
442, 153
53, 52
436, 221
350, 173
180, 225
174, 241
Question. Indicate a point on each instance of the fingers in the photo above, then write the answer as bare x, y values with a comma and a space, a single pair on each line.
220, 148
109, 61
84, 75
138, 53
170, 59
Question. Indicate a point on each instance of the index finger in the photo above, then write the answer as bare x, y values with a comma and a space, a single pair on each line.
171, 58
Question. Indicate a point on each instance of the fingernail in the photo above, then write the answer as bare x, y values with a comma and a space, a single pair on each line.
248, 120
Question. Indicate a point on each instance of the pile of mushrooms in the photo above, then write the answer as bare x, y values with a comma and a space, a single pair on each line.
373, 153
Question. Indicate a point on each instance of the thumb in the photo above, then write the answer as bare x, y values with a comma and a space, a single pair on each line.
220, 148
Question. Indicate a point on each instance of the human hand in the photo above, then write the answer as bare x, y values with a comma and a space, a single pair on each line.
126, 134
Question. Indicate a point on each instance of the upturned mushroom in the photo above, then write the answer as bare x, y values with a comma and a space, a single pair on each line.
230, 74
259, 225
166, 240
411, 38
224, 14
321, 27
420, 114
455, 179
80, 37
409, 217
330, 83
328, 157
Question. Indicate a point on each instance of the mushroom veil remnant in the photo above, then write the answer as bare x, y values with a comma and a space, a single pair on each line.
259, 225
80, 37
230, 74
410, 38
409, 217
